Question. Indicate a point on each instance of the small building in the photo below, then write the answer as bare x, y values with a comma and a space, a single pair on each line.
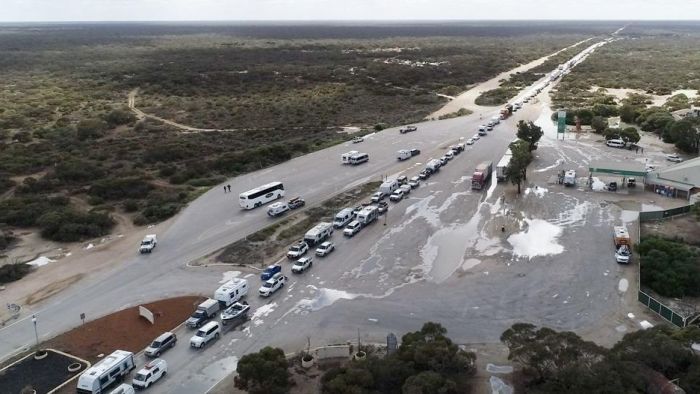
680, 180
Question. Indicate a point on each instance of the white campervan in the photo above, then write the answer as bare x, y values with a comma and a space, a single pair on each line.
231, 291
388, 187
615, 143
343, 217
107, 371
345, 157
318, 234
359, 158
403, 154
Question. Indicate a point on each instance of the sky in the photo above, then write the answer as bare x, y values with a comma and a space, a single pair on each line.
307, 10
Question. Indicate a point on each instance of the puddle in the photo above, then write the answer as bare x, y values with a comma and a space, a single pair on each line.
498, 368
221, 368
623, 285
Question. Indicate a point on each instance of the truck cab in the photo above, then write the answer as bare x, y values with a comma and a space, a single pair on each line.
148, 244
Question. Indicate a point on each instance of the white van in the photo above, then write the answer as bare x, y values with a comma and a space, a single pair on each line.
345, 157
277, 208
403, 154
204, 335
616, 143
318, 234
388, 187
343, 217
358, 158
231, 291
107, 371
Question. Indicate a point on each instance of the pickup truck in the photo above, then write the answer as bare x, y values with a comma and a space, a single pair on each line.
407, 129
204, 312
236, 313
302, 265
272, 285
148, 244
297, 250
270, 271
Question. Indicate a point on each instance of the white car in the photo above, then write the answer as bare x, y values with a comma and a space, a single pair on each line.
674, 158
397, 195
204, 335
405, 189
302, 265
357, 139
352, 228
414, 182
148, 244
470, 141
476, 137
150, 373
272, 285
297, 250
378, 196
449, 155
325, 248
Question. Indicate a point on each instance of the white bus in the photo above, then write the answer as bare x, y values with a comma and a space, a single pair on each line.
261, 195
358, 158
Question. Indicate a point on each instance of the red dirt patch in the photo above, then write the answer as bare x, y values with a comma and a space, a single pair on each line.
125, 329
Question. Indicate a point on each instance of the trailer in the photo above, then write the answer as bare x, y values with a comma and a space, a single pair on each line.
482, 175
623, 244
503, 165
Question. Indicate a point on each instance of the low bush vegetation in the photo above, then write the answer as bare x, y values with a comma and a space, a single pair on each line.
12, 272
670, 268
642, 362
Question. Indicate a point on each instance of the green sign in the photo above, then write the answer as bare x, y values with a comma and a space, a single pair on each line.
561, 122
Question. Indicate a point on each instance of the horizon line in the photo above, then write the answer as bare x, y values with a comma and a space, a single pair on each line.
249, 21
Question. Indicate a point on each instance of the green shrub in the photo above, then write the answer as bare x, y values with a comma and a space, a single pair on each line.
156, 213
167, 170
120, 188
5, 183
199, 182
77, 170
670, 268
131, 205
68, 225
119, 117
90, 129
6, 238
12, 272
25, 211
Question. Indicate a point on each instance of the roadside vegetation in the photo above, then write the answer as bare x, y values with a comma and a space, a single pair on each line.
670, 267
73, 157
14, 271
529, 135
427, 361
642, 362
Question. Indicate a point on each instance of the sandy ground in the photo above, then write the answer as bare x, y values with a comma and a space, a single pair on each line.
466, 99
70, 262
656, 100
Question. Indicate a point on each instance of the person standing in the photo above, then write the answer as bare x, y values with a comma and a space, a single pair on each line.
229, 188
224, 189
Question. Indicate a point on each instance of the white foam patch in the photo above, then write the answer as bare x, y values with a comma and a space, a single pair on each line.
41, 261
623, 285
470, 263
539, 239
538, 191
498, 386
228, 275
574, 216
324, 297
263, 311
645, 324
598, 185
631, 315
89, 246
556, 164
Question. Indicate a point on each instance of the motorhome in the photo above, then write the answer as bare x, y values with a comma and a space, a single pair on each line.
231, 291
367, 215
318, 234
403, 154
106, 372
359, 158
388, 187
570, 178
345, 157
343, 217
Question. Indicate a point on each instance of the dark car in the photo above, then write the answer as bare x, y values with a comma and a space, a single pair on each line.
424, 174
296, 202
407, 129
270, 271
612, 187
415, 152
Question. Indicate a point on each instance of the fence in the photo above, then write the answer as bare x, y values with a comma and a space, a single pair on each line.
650, 302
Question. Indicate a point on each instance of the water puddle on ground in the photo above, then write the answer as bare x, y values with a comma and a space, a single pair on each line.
538, 239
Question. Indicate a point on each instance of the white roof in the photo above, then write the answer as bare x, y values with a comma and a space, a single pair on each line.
107, 363
232, 284
621, 232
150, 236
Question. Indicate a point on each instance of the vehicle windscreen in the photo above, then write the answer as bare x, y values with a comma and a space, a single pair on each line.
267, 284
140, 377
200, 334
156, 344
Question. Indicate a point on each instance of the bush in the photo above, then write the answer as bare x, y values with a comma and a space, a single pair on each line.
25, 211
131, 205
77, 170
496, 96
5, 183
670, 268
120, 188
119, 117
6, 237
90, 129
12, 272
68, 225
156, 213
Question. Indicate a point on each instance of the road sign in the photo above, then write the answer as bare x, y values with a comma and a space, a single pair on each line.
561, 122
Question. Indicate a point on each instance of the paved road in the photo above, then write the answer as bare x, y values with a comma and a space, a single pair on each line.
367, 269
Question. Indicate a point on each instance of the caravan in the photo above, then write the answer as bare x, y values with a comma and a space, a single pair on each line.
109, 370
388, 187
343, 217
318, 234
231, 291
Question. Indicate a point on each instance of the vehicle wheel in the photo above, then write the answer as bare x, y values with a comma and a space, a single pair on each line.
164, 373
173, 344
157, 354
216, 335
311, 264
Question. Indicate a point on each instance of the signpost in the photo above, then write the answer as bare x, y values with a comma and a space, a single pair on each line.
561, 123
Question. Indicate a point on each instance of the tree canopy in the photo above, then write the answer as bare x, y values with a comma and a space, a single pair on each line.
516, 172
530, 133
264, 372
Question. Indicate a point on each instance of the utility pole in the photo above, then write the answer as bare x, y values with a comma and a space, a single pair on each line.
36, 333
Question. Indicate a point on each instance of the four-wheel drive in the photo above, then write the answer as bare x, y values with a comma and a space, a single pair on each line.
407, 129
272, 285
378, 196
382, 207
357, 140
148, 244
296, 202
297, 250
270, 271
397, 195
325, 248
236, 313
302, 265
164, 342
150, 373
414, 182
353, 228
204, 312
